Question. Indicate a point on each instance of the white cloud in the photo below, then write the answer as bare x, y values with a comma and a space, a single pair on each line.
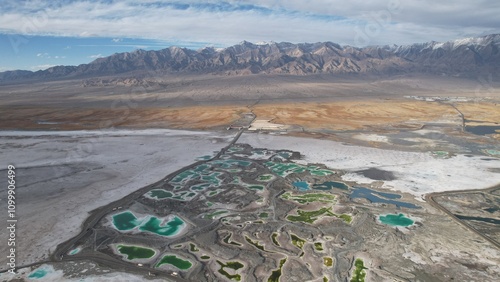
43, 55
41, 67
95, 56
381, 21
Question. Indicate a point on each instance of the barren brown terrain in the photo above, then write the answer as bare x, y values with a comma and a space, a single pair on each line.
209, 102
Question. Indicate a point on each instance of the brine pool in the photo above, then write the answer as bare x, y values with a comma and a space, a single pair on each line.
380, 197
126, 221
396, 220
135, 252
175, 261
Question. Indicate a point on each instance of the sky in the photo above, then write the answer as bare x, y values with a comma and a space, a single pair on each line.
37, 34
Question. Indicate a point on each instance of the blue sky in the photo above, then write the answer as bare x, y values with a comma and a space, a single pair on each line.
37, 34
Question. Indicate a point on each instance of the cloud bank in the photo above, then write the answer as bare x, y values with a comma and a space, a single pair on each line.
228, 22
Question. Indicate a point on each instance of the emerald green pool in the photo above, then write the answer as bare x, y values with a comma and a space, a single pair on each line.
125, 221
396, 220
175, 261
173, 227
135, 252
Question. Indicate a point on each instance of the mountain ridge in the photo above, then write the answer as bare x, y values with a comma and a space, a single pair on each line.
461, 57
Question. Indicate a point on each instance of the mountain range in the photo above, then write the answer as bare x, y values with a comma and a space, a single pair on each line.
465, 57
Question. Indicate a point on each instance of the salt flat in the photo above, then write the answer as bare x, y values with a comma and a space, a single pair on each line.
61, 176
417, 173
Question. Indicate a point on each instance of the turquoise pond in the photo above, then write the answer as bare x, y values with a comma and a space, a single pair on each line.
396, 220
301, 185
171, 228
40, 272
74, 251
127, 221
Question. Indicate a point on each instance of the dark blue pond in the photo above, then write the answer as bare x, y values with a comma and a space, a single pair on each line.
380, 197
483, 219
482, 129
329, 185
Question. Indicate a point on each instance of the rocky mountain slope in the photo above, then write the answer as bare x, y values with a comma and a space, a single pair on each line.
465, 57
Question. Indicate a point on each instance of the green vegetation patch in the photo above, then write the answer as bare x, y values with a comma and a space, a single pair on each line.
309, 198
228, 240
205, 257
328, 261
255, 243
318, 246
135, 252
276, 274
265, 177
297, 241
284, 169
274, 238
235, 265
359, 272
312, 216
193, 248
175, 261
